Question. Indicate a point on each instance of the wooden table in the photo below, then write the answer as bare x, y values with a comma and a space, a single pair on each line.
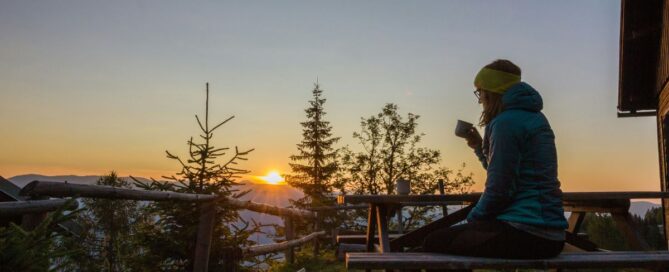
578, 203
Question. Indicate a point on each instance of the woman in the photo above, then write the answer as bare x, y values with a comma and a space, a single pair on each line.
519, 214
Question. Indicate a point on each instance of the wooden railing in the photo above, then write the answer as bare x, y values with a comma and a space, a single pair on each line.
35, 209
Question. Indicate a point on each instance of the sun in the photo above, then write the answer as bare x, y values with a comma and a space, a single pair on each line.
273, 177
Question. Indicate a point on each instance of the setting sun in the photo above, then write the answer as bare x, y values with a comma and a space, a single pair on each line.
273, 177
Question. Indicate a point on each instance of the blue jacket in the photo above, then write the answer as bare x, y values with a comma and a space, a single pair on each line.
519, 155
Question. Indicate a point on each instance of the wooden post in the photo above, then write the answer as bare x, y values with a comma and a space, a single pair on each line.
231, 258
316, 225
444, 208
290, 235
205, 231
371, 225
382, 224
32, 220
400, 224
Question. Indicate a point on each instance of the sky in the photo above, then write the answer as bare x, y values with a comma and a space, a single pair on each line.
87, 87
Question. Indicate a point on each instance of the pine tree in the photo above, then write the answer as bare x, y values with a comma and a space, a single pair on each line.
316, 162
171, 239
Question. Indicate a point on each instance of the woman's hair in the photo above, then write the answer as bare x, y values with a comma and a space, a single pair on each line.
492, 102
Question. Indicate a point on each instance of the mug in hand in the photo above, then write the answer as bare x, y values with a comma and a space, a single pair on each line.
463, 129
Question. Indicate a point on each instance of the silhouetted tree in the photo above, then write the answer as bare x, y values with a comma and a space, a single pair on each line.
315, 165
390, 152
316, 162
171, 239
107, 231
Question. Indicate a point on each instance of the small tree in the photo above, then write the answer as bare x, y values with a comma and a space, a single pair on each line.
107, 232
171, 239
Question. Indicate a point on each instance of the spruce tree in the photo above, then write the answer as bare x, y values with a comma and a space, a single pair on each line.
206, 170
315, 165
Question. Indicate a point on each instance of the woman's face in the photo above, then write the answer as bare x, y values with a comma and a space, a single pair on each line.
481, 95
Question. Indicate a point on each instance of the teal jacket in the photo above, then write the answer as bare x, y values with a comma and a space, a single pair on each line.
519, 155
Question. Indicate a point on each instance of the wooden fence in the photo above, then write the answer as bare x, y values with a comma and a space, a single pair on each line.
34, 210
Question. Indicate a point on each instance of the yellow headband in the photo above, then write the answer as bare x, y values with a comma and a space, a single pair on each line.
494, 80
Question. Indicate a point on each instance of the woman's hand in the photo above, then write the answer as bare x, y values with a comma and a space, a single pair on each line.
474, 139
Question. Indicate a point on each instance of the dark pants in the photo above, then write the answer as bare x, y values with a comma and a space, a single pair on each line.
491, 239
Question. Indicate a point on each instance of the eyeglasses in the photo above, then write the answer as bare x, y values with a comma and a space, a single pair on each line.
477, 93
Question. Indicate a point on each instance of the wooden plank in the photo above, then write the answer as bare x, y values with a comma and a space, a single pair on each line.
651, 260
473, 197
382, 224
416, 237
205, 230
359, 238
371, 226
13, 208
60, 189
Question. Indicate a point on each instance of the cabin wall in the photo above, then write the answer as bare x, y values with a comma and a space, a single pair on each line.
662, 84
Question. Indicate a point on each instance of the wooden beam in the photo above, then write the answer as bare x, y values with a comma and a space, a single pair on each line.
205, 230
289, 228
14, 208
270, 248
60, 189
269, 209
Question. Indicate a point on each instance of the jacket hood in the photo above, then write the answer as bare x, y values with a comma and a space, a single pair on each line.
522, 96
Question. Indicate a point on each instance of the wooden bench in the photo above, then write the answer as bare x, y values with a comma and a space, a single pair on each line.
358, 238
655, 260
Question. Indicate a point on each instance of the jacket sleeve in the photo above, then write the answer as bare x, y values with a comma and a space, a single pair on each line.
502, 169
482, 158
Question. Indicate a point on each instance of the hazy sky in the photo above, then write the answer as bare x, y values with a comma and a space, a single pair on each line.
92, 86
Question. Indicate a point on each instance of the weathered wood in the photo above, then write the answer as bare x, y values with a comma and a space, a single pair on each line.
382, 224
316, 242
626, 259
269, 209
575, 221
205, 230
60, 189
473, 197
358, 238
289, 228
339, 207
600, 206
344, 248
231, 258
371, 227
13, 208
270, 248
416, 237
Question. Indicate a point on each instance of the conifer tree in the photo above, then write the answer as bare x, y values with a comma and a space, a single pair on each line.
171, 239
315, 165
107, 230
